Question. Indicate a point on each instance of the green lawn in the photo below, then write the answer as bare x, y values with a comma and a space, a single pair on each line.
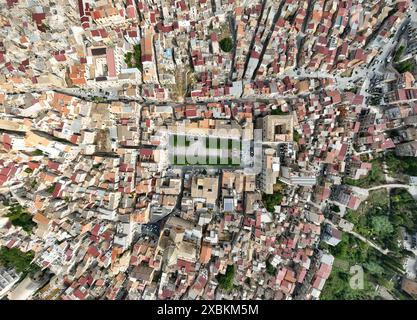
207, 161
210, 143
37, 152
179, 141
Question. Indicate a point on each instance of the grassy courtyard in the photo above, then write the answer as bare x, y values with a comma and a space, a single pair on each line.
199, 151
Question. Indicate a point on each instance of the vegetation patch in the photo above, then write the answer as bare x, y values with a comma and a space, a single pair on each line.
375, 177
51, 188
405, 66
229, 158
404, 209
374, 101
378, 270
137, 55
372, 218
128, 59
272, 200
134, 59
226, 44
399, 53
296, 136
405, 165
226, 280
38, 152
270, 269
20, 218
278, 112
98, 99
350, 251
353, 90
382, 216
20, 261
379, 219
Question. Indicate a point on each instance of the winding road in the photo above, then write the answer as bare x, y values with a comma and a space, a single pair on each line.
365, 192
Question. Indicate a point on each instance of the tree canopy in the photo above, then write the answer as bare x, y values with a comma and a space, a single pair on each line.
20, 218
21, 261
226, 44
226, 280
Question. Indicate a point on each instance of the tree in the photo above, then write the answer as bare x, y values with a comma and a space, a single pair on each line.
270, 269
226, 44
381, 225
51, 188
406, 165
296, 136
278, 112
20, 218
134, 59
226, 280
137, 55
405, 66
374, 268
37, 152
399, 53
272, 200
128, 59
21, 261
